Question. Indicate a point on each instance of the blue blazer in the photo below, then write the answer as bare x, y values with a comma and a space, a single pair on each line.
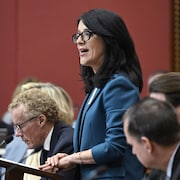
99, 127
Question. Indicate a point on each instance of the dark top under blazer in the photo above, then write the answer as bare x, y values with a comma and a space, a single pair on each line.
62, 142
99, 127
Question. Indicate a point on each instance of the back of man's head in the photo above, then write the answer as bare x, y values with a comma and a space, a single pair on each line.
154, 119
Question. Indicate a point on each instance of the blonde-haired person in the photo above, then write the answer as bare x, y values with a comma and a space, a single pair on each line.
66, 114
60, 96
36, 120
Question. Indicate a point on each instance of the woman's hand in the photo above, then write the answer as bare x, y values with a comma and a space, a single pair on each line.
54, 160
65, 162
51, 164
58, 161
48, 168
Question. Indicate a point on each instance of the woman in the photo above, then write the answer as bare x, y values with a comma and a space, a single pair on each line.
112, 78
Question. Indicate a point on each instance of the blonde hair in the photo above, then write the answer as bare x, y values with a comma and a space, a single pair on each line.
59, 95
36, 102
27, 80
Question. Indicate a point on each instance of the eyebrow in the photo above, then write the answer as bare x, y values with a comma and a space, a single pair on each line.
84, 30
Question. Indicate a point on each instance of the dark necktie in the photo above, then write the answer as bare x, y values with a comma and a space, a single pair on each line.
43, 157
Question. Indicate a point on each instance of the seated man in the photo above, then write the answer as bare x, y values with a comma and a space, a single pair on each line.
36, 120
151, 127
165, 87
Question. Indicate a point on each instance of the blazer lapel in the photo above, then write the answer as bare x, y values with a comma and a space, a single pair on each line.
78, 124
89, 100
54, 138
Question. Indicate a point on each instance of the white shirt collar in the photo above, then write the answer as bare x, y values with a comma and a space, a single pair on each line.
92, 96
48, 140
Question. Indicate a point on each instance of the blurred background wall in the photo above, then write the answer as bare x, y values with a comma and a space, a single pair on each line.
35, 40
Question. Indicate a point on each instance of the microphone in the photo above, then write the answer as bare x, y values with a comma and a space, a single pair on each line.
7, 140
36, 149
95, 173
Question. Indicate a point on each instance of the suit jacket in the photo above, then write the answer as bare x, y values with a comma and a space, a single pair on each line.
161, 175
62, 142
176, 166
99, 127
155, 174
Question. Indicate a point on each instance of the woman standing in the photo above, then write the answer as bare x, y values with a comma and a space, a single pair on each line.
112, 79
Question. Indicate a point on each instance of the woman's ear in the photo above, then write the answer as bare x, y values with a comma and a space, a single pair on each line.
147, 144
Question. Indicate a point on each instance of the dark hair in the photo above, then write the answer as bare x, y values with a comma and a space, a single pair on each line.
154, 119
169, 85
120, 56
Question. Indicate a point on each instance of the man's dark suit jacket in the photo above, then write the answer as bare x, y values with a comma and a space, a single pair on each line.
155, 174
176, 166
62, 142
160, 175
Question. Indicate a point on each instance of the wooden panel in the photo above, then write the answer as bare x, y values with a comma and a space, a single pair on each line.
176, 35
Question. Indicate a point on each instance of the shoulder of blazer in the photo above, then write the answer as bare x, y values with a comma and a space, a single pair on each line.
121, 79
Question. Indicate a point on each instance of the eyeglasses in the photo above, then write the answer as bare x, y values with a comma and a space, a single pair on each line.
85, 36
19, 127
